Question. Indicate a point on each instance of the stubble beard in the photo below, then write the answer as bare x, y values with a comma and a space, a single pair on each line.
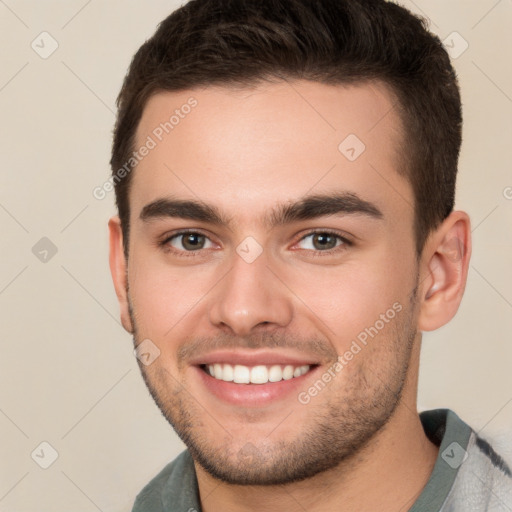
337, 428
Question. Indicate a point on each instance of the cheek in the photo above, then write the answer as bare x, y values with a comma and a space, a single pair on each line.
164, 297
343, 301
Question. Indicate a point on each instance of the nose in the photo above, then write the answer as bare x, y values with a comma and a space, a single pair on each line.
250, 296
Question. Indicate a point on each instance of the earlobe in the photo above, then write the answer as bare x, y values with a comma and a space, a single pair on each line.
445, 263
118, 269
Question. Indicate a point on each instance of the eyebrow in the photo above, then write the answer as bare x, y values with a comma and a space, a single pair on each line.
307, 208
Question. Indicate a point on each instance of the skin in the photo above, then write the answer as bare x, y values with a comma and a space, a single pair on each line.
359, 441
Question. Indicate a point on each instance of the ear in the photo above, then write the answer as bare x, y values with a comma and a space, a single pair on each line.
118, 269
444, 270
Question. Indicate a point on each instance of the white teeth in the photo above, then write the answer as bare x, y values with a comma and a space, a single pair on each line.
301, 370
228, 373
259, 374
242, 374
288, 372
217, 371
275, 374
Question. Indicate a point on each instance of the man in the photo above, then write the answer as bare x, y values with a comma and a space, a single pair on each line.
285, 174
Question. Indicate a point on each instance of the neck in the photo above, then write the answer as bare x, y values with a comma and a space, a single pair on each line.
388, 474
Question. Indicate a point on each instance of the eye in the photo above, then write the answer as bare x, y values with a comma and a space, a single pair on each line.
189, 241
322, 241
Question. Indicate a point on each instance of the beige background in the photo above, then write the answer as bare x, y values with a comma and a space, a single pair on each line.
67, 370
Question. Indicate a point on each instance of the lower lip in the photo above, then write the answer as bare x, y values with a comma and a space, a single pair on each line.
253, 395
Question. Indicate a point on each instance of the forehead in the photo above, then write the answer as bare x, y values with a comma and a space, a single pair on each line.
248, 149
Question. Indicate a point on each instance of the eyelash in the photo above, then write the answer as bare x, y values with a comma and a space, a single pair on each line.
193, 254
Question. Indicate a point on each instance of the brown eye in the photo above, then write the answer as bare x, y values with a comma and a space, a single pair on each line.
321, 241
324, 241
189, 241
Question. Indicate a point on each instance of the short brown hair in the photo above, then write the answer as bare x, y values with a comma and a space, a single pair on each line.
242, 42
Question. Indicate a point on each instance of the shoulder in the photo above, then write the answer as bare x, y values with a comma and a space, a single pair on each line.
470, 472
175, 485
484, 480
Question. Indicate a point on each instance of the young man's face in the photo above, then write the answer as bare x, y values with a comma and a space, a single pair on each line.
275, 281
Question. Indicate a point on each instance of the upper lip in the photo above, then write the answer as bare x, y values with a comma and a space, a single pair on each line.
253, 358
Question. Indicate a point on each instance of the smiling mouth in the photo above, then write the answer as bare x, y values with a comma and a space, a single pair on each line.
259, 374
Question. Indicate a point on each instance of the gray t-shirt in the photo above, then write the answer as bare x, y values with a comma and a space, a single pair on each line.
468, 476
